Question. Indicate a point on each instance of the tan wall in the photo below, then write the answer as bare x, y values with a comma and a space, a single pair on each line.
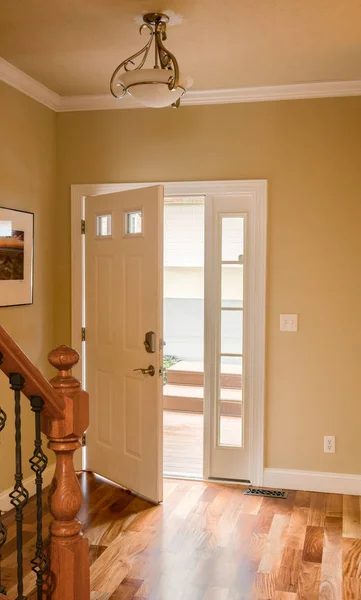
310, 153
27, 182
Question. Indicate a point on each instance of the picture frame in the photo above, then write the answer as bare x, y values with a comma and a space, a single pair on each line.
16, 257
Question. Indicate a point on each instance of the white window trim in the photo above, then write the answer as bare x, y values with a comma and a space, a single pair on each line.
258, 190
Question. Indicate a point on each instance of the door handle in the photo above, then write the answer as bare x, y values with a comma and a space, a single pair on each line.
150, 371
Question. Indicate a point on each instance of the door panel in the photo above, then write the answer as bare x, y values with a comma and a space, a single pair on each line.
124, 300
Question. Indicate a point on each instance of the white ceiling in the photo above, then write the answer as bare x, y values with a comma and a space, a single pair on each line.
72, 46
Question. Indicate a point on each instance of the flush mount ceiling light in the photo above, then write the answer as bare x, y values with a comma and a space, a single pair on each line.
160, 86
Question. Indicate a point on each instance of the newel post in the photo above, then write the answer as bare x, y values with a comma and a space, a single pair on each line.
68, 550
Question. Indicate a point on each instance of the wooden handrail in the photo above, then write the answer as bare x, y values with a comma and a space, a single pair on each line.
15, 361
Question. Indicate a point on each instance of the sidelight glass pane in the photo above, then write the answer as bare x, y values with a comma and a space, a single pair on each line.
230, 401
231, 331
133, 222
231, 379
104, 225
230, 429
232, 286
232, 239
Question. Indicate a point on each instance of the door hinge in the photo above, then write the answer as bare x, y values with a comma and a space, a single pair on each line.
83, 440
82, 226
83, 334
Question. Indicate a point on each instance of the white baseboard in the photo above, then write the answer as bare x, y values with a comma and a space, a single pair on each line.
29, 484
313, 481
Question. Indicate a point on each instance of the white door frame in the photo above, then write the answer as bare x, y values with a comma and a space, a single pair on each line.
258, 191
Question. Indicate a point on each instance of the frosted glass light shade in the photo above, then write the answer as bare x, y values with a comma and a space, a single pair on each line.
150, 86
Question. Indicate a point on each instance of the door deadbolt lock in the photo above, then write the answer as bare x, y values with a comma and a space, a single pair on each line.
149, 342
150, 371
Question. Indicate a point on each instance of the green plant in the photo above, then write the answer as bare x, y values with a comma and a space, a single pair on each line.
168, 361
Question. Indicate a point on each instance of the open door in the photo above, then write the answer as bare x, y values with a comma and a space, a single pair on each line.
123, 308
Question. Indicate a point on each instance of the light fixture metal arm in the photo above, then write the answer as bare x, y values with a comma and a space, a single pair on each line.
167, 58
130, 60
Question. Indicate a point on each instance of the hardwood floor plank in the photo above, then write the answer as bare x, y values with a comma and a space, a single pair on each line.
264, 586
251, 505
334, 506
351, 517
95, 552
275, 544
309, 581
297, 528
331, 570
289, 571
317, 511
351, 558
313, 548
127, 590
303, 499
351, 588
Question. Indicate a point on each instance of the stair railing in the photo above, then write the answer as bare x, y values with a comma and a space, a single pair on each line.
61, 412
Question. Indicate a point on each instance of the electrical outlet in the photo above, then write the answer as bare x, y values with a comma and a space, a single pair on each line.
329, 444
288, 322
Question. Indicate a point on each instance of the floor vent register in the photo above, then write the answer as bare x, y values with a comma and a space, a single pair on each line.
266, 493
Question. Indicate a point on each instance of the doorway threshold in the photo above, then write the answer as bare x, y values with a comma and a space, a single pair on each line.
183, 476
240, 482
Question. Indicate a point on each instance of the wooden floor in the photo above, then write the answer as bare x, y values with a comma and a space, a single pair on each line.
183, 441
210, 542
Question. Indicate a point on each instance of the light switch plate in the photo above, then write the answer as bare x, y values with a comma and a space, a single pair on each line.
288, 322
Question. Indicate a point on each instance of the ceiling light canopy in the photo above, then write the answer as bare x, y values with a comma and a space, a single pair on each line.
156, 87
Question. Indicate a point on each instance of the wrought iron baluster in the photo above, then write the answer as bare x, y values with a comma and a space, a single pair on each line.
3, 530
3, 416
19, 496
38, 462
3, 535
2, 419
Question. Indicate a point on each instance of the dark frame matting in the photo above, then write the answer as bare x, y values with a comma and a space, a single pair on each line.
32, 262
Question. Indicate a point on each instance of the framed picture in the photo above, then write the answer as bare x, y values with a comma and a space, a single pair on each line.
16, 257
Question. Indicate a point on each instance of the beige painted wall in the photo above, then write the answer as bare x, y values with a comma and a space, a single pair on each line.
27, 182
310, 153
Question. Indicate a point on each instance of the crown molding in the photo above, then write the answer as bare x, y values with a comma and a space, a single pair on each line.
331, 89
29, 86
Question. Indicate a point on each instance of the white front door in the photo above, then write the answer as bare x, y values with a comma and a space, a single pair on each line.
123, 302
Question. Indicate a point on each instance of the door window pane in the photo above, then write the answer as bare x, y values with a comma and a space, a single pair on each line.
232, 332
104, 225
232, 286
133, 222
232, 238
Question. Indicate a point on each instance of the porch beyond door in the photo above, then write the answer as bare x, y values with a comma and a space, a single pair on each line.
184, 257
